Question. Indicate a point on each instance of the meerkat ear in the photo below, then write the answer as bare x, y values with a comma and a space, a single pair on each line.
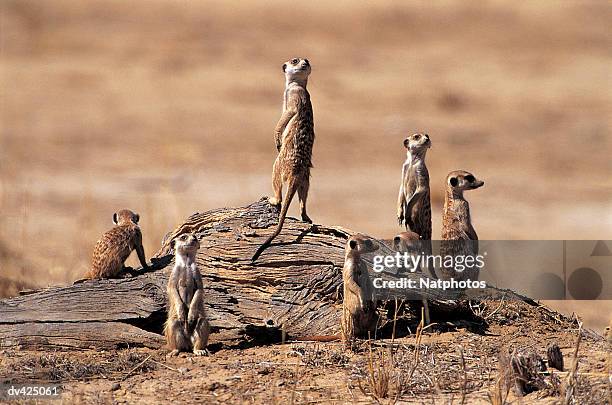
453, 181
284, 67
353, 244
172, 243
115, 219
406, 143
136, 218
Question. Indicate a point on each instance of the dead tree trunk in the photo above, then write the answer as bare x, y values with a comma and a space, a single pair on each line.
294, 286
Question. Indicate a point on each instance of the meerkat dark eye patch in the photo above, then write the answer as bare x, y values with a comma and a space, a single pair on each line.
353, 244
295, 61
453, 181
306, 60
115, 219
416, 137
396, 240
368, 244
470, 178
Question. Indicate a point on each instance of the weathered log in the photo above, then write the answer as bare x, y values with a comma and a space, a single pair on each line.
294, 286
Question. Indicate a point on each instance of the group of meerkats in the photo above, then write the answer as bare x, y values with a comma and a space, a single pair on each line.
187, 327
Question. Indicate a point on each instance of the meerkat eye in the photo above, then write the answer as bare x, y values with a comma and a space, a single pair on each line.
470, 178
416, 137
183, 237
453, 181
306, 60
294, 61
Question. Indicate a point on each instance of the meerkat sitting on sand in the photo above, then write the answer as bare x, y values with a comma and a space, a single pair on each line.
294, 136
115, 246
186, 328
358, 309
457, 229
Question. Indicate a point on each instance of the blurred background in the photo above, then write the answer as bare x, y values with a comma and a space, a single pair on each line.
168, 108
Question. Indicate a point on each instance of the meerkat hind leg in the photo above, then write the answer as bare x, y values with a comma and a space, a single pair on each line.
177, 340
277, 185
303, 196
200, 338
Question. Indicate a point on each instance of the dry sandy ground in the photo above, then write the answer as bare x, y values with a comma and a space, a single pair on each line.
429, 371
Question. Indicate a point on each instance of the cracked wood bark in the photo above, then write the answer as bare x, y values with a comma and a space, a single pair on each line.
294, 285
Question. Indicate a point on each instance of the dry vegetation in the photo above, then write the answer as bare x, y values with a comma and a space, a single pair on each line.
457, 366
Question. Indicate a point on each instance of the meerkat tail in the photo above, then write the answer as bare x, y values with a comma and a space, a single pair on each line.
291, 190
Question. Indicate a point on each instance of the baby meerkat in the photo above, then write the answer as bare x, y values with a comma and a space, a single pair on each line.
115, 246
358, 309
294, 136
186, 327
457, 229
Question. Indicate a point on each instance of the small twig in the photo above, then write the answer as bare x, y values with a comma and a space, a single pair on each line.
166, 366
135, 368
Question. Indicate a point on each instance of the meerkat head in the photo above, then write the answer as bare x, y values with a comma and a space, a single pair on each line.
125, 217
360, 244
186, 243
406, 240
417, 142
460, 180
297, 69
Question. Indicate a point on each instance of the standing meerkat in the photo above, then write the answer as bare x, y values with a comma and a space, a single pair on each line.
116, 245
294, 136
358, 309
414, 201
457, 224
186, 327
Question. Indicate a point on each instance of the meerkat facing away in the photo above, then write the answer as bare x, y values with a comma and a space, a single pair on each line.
457, 227
294, 136
358, 309
186, 327
411, 242
115, 246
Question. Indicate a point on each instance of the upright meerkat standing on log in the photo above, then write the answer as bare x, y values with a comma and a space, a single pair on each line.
358, 309
457, 229
186, 327
414, 201
294, 136
115, 246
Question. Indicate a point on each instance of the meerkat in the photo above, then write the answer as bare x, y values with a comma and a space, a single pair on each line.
414, 201
457, 224
411, 242
294, 136
116, 245
358, 308
186, 328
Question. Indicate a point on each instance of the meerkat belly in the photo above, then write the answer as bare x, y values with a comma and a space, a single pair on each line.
186, 288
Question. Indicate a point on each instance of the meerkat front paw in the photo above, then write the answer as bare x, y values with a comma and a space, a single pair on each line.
173, 353
201, 352
274, 201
